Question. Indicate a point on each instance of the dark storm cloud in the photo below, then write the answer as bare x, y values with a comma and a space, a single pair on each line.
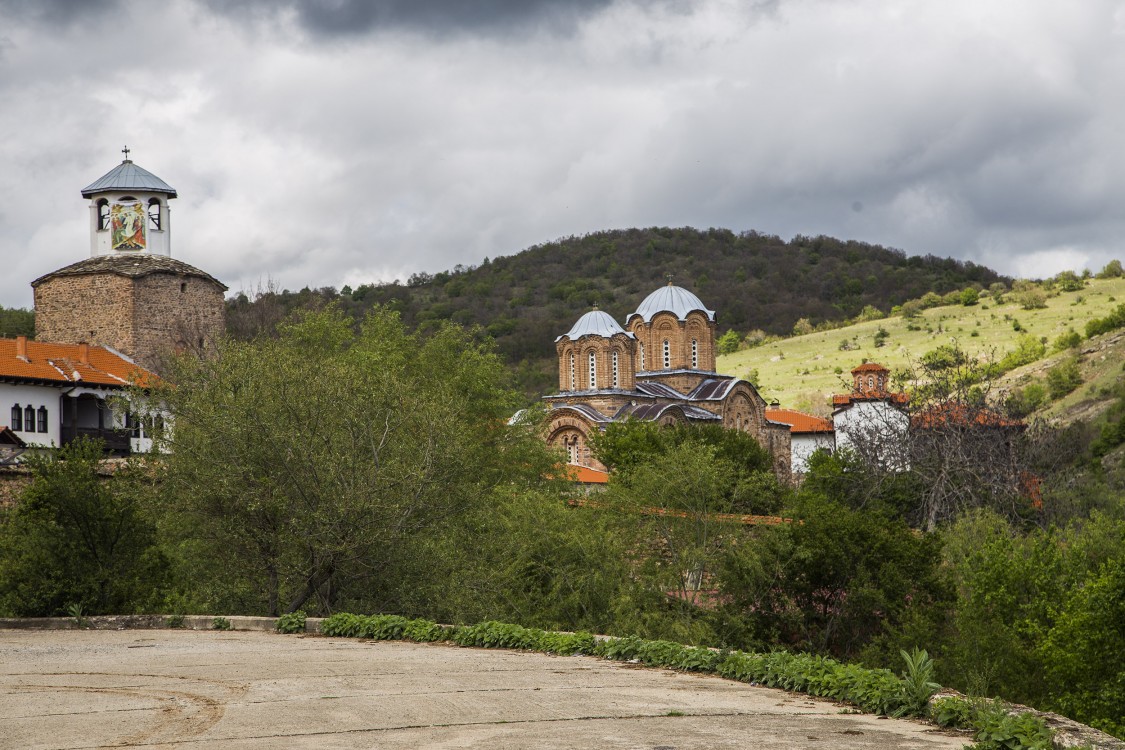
53, 12
330, 18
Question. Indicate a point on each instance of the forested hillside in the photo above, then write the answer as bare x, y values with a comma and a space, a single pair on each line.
754, 281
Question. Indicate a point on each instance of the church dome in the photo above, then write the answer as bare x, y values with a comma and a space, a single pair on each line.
128, 176
672, 299
594, 323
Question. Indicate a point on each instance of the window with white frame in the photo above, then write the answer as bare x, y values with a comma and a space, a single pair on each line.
694, 353
615, 378
667, 355
642, 348
593, 371
572, 371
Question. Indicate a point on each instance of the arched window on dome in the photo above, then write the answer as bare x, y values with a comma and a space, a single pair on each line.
694, 353
571, 450
593, 371
103, 214
870, 381
667, 355
616, 380
154, 213
572, 383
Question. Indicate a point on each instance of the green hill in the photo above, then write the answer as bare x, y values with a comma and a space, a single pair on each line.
754, 281
803, 371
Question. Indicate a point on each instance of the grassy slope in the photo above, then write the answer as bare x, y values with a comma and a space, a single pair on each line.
801, 371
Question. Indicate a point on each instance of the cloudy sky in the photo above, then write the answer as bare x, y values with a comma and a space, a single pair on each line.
331, 142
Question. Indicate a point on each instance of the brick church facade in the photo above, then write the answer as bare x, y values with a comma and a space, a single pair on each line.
660, 367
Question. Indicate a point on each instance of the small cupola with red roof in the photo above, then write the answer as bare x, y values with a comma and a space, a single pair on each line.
871, 380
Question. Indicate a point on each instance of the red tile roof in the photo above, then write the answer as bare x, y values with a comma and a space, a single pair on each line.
870, 367
586, 475
799, 422
956, 414
23, 359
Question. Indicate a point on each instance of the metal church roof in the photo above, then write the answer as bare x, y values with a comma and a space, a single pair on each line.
673, 299
594, 323
128, 176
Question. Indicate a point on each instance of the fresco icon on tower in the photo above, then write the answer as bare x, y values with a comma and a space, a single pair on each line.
127, 220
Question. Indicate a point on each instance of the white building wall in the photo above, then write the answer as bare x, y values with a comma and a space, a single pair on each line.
157, 241
807, 443
36, 396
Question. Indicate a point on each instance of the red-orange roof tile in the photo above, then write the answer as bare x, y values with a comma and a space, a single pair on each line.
870, 367
586, 475
69, 363
798, 421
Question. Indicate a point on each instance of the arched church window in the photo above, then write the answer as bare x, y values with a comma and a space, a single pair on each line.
17, 417
103, 214
154, 212
694, 353
593, 371
642, 348
571, 450
572, 383
667, 355
616, 382
870, 381
42, 414
29, 418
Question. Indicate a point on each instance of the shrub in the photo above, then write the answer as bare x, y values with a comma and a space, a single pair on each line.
220, 623
1030, 298
1069, 340
970, 297
1063, 378
1112, 270
1111, 322
174, 621
291, 622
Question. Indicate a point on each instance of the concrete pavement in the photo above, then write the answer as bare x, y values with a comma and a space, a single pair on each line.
210, 690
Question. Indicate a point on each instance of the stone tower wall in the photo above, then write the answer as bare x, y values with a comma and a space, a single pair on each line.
95, 309
146, 318
174, 313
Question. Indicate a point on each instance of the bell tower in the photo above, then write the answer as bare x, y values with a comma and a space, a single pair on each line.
129, 211
131, 295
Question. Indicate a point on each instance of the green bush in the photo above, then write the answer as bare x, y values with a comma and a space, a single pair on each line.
1063, 378
1069, 340
1111, 322
220, 623
292, 622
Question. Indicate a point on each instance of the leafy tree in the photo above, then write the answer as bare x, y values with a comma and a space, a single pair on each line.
729, 342
15, 321
1112, 270
833, 582
1069, 281
1082, 656
970, 297
76, 537
302, 469
1030, 297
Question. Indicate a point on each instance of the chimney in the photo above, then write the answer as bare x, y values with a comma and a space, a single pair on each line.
84, 353
21, 348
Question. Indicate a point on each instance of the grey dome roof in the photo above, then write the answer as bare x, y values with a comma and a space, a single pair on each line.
673, 299
594, 323
128, 176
